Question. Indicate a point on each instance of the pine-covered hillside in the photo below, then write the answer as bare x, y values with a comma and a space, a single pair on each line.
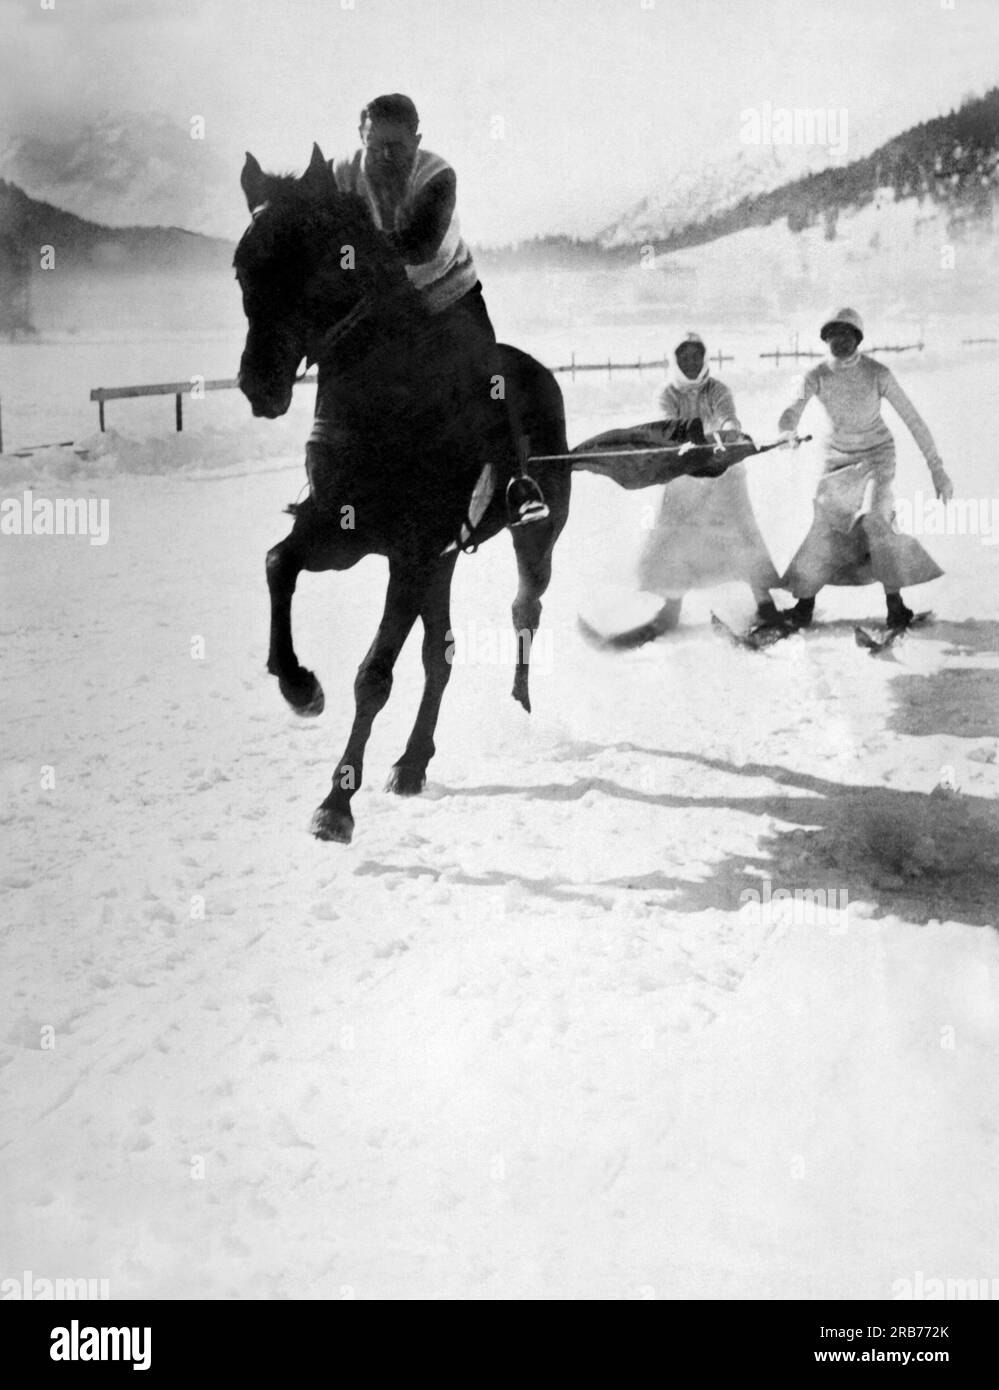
951, 161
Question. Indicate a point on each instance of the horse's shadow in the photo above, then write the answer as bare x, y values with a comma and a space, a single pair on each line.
917, 855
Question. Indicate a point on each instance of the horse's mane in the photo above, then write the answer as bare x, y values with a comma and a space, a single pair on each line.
289, 188
349, 211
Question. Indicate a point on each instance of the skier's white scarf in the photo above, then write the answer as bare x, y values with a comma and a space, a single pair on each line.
839, 364
681, 382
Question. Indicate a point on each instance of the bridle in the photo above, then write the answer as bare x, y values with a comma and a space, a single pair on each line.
344, 327
340, 330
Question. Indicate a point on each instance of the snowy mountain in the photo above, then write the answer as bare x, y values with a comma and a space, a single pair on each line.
901, 258
692, 195
951, 162
133, 167
28, 224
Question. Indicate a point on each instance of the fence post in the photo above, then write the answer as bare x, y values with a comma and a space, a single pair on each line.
100, 416
179, 399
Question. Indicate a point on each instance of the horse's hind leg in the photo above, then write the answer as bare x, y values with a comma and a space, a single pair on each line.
298, 686
372, 687
409, 775
533, 545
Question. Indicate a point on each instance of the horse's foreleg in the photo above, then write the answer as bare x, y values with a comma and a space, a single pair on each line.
533, 545
372, 687
298, 686
409, 774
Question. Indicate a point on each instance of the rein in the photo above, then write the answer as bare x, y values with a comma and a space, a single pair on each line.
341, 329
338, 332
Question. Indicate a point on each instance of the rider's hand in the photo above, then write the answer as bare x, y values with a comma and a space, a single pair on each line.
790, 438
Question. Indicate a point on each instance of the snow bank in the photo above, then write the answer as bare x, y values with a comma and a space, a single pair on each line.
210, 451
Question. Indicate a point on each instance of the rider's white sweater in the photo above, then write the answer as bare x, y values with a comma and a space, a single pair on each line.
450, 272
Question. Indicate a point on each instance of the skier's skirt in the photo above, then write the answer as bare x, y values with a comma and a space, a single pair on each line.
706, 534
853, 540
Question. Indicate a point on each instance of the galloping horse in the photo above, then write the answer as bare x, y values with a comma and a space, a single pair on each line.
411, 425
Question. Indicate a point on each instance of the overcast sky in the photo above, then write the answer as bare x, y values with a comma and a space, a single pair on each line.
595, 100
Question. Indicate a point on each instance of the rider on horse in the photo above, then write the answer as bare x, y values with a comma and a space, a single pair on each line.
411, 196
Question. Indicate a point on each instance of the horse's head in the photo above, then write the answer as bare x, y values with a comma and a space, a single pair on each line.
304, 263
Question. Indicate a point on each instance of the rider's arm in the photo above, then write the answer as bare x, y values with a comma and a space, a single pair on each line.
419, 239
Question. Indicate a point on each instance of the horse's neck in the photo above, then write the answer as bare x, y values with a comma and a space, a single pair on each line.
384, 346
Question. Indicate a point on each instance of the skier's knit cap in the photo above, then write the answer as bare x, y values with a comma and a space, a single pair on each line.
690, 338
848, 318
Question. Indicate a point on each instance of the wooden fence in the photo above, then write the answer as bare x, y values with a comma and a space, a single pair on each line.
196, 387
641, 365
178, 389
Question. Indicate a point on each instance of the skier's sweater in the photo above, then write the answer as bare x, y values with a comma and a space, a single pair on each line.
704, 398
851, 392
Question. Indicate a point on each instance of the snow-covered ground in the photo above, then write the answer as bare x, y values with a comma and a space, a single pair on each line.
543, 1032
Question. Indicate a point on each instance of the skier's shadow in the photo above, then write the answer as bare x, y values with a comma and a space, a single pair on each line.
962, 701
918, 855
921, 856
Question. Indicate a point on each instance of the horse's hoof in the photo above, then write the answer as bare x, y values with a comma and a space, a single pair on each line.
304, 694
521, 693
406, 781
337, 826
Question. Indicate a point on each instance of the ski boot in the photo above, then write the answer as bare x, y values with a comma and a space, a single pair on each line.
899, 616
801, 614
768, 615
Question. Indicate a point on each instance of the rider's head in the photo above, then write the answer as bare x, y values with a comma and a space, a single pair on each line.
388, 131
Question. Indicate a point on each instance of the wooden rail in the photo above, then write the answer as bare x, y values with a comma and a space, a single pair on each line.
180, 389
653, 364
792, 354
177, 389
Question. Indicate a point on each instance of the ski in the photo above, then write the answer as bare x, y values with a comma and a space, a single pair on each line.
875, 641
757, 639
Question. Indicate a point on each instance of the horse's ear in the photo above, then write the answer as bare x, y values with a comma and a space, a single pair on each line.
252, 181
318, 172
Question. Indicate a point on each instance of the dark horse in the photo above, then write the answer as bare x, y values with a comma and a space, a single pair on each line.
410, 422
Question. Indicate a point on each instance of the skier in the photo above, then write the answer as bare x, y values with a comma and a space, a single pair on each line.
852, 540
411, 193
705, 533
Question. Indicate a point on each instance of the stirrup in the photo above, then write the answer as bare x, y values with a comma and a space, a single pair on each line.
525, 502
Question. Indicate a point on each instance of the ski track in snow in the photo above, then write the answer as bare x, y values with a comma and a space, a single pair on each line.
523, 1038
